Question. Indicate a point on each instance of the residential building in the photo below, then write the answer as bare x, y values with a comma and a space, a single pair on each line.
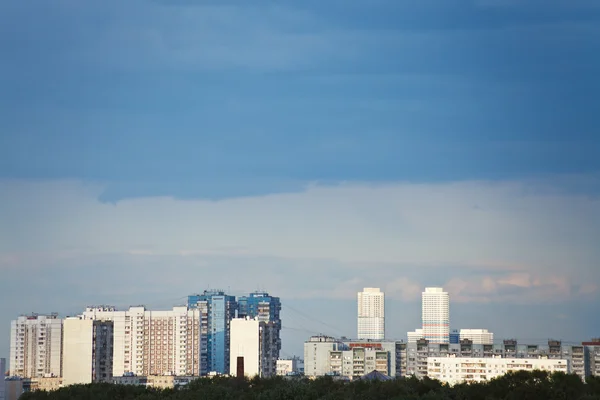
419, 353
247, 347
2, 376
153, 342
358, 361
436, 315
290, 366
477, 336
87, 351
395, 350
592, 357
217, 310
415, 335
154, 381
316, 354
453, 370
371, 314
36, 346
266, 308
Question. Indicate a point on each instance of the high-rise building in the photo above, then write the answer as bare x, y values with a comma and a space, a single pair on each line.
477, 336
592, 357
36, 346
436, 315
216, 310
371, 314
153, 342
87, 351
267, 309
247, 347
316, 354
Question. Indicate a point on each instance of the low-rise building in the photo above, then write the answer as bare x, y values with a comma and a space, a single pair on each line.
290, 366
453, 370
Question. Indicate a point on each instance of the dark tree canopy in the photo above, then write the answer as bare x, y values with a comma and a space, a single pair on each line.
512, 386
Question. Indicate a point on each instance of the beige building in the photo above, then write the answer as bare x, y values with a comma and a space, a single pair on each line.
36, 346
359, 361
87, 351
247, 342
453, 370
477, 336
153, 342
371, 314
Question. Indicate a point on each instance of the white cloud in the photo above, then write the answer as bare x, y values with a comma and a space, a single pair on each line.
479, 238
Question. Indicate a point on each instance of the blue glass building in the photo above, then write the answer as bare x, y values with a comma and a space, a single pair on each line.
216, 311
454, 336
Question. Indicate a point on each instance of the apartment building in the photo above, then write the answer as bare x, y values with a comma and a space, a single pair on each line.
153, 342
316, 354
266, 308
592, 357
436, 315
453, 370
477, 336
36, 346
358, 361
418, 354
248, 347
290, 366
371, 314
87, 351
216, 312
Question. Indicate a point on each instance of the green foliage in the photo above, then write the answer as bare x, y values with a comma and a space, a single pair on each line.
512, 386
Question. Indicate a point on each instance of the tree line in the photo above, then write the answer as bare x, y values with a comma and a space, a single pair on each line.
520, 385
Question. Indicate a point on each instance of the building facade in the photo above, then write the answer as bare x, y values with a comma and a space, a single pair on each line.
453, 370
436, 315
358, 361
153, 342
477, 336
592, 357
267, 309
316, 354
36, 346
248, 343
290, 366
418, 354
371, 314
216, 310
87, 351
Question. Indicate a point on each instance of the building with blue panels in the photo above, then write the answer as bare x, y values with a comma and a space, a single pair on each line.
216, 311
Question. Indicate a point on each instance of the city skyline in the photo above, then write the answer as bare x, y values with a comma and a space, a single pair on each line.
149, 148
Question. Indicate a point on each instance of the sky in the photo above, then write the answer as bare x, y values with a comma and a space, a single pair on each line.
151, 149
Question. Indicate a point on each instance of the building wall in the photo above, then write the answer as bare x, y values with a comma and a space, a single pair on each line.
415, 335
453, 370
371, 314
592, 357
290, 366
247, 341
77, 351
359, 361
436, 315
36, 346
13, 388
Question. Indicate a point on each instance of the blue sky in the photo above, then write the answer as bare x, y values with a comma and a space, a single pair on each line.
445, 143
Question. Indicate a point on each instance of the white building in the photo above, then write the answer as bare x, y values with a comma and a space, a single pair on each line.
436, 315
87, 351
153, 342
415, 335
290, 366
2, 375
247, 344
316, 354
36, 346
371, 314
358, 361
477, 336
453, 370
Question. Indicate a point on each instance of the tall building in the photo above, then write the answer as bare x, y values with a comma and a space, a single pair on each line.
247, 347
87, 351
477, 336
36, 346
153, 342
436, 315
316, 354
267, 309
217, 310
371, 314
592, 357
